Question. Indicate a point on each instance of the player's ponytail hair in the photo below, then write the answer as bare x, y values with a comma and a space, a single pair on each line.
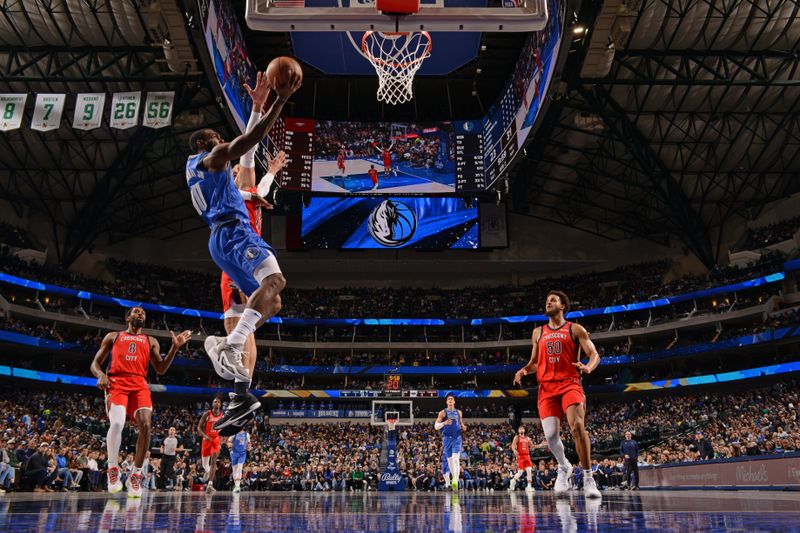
563, 297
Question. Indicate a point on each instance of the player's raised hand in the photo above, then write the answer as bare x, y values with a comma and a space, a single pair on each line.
260, 92
584, 369
277, 163
521, 373
260, 201
181, 339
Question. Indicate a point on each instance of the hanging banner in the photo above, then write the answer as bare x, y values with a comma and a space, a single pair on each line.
158, 109
125, 110
47, 112
88, 111
12, 107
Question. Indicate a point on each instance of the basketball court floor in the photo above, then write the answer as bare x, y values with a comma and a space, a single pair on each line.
661, 511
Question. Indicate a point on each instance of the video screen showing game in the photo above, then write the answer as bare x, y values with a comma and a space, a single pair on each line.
383, 158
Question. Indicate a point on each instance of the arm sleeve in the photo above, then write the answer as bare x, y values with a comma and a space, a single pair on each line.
248, 159
438, 425
265, 184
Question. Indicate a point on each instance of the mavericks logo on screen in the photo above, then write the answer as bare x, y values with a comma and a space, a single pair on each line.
392, 223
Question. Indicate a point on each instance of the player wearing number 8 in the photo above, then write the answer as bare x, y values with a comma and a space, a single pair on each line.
555, 358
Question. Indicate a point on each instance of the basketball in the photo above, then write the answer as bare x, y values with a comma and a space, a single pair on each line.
279, 72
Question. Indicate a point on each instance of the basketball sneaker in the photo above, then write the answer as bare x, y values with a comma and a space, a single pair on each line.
530, 488
234, 428
590, 489
562, 479
114, 484
454, 485
210, 488
238, 408
227, 359
512, 486
134, 486
237, 489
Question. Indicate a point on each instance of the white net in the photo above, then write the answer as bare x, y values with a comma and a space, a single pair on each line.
396, 58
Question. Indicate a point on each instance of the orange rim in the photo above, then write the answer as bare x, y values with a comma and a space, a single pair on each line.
374, 59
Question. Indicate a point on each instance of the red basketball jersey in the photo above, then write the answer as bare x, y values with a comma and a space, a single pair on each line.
557, 351
523, 446
210, 421
387, 158
254, 211
130, 355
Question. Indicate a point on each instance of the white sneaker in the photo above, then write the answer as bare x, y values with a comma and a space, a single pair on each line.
210, 489
530, 488
114, 484
237, 490
590, 489
562, 480
227, 359
512, 486
134, 486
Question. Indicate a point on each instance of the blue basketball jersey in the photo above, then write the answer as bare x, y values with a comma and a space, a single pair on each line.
214, 194
240, 443
454, 429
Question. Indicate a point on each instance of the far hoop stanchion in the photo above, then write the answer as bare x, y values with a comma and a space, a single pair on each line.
396, 57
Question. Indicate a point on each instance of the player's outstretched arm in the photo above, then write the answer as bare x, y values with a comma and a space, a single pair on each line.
588, 348
223, 153
100, 359
530, 368
246, 178
162, 364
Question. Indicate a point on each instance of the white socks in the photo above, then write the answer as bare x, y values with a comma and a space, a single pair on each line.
552, 427
447, 475
246, 326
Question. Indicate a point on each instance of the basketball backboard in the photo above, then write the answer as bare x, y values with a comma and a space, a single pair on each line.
402, 410
361, 15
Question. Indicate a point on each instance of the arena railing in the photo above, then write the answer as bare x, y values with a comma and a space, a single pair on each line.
520, 319
782, 369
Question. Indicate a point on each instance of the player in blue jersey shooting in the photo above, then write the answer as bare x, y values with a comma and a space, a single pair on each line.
234, 245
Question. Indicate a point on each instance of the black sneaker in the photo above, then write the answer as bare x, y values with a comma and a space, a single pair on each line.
237, 426
239, 407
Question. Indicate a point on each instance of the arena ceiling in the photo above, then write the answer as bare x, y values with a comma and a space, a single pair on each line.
691, 121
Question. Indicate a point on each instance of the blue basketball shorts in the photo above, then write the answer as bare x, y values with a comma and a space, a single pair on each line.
238, 458
242, 254
451, 445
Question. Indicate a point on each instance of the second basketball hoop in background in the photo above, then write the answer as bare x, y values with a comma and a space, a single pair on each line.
396, 56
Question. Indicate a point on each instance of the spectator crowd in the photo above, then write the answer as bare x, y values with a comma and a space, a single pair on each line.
55, 441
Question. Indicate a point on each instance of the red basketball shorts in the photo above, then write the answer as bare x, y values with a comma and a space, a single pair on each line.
233, 300
132, 394
210, 447
524, 461
556, 396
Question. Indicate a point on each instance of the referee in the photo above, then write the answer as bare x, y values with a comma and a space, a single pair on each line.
168, 450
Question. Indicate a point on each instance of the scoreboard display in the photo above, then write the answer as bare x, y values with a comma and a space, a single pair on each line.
392, 383
469, 150
298, 143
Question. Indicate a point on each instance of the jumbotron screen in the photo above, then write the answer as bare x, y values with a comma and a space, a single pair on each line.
455, 157
361, 222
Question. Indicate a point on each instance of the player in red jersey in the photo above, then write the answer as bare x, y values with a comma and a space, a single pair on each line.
209, 451
340, 161
373, 176
555, 358
521, 446
125, 385
387, 160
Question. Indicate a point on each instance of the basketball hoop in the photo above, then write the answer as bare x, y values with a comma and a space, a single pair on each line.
391, 423
396, 57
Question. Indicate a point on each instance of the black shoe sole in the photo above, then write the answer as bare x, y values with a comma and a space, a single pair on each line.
223, 423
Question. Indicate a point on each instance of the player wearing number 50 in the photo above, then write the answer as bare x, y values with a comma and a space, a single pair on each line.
555, 358
236, 248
